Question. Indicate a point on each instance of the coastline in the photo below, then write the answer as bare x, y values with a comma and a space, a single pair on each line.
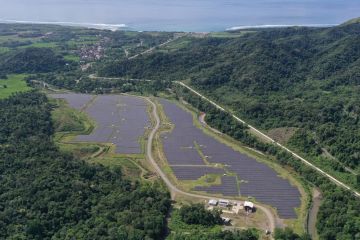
122, 26
100, 26
262, 26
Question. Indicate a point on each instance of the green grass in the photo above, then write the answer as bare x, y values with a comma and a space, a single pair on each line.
352, 21
14, 83
177, 44
9, 38
177, 226
67, 119
42, 45
81, 42
131, 33
79, 150
297, 223
88, 38
71, 57
129, 168
227, 34
4, 49
69, 123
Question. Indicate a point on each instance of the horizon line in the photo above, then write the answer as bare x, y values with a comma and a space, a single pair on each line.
114, 27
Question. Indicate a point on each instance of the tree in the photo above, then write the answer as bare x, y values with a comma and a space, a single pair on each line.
197, 214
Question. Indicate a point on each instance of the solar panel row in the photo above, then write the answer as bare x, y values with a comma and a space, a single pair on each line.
257, 179
194, 172
120, 120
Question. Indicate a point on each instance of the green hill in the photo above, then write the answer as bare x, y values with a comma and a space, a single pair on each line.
307, 78
46, 194
31, 60
352, 21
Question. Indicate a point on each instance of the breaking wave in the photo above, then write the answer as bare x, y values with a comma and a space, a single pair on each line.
278, 26
112, 27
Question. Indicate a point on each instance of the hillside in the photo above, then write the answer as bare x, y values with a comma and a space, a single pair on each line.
303, 78
31, 60
46, 194
299, 85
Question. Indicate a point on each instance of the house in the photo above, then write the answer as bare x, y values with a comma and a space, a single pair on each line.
248, 206
213, 202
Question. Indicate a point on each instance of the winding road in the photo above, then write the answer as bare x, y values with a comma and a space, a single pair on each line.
173, 189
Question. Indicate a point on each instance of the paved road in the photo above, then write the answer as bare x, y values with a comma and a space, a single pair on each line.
334, 180
173, 189
160, 45
93, 76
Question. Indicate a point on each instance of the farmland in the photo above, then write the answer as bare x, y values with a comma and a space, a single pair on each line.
192, 154
120, 120
14, 83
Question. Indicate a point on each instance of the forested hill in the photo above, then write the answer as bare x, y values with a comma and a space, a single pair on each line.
304, 78
265, 60
45, 194
31, 60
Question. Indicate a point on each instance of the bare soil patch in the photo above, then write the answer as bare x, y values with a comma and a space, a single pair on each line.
282, 135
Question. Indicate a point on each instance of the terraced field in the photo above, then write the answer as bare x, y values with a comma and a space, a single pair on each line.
120, 120
192, 154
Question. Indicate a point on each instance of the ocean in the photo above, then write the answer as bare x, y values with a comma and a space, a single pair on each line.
184, 15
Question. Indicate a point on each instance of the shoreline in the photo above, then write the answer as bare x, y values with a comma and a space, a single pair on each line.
100, 26
122, 26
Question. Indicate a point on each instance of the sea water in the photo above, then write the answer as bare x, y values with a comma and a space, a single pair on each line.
184, 15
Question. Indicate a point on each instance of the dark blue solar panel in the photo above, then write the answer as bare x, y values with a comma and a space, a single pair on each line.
256, 179
120, 119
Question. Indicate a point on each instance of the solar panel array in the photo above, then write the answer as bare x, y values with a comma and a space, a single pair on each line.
257, 179
194, 172
75, 100
120, 120
228, 187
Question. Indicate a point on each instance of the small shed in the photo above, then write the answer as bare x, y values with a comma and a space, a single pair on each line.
224, 203
213, 202
248, 206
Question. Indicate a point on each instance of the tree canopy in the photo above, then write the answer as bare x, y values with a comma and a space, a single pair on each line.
47, 194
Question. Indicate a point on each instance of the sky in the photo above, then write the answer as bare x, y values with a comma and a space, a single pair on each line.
198, 15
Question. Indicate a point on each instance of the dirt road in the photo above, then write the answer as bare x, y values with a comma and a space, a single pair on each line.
311, 224
173, 189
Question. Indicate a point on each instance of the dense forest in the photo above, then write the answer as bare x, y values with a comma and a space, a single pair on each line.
46, 194
31, 60
197, 214
339, 215
305, 78
194, 222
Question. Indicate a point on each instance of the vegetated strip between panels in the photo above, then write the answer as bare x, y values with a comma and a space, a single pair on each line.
172, 187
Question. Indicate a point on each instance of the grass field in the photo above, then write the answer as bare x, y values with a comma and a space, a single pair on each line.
228, 34
14, 83
69, 120
41, 45
73, 58
4, 49
177, 44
